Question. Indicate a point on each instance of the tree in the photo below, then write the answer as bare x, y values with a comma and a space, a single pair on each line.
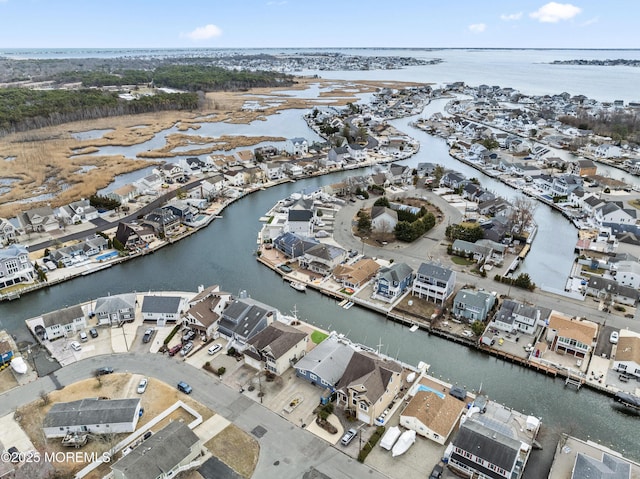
364, 223
478, 328
522, 213
384, 201
524, 281
490, 143
438, 173
117, 244
471, 233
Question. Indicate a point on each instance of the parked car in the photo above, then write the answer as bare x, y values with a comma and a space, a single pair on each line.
436, 472
186, 349
188, 336
93, 332
75, 345
175, 349
214, 349
83, 337
348, 436
458, 393
613, 338
184, 387
103, 371
142, 385
147, 336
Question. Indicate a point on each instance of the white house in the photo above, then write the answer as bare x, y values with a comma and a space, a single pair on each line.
116, 309
273, 170
296, 146
608, 151
15, 266
383, 219
627, 357
64, 322
7, 232
276, 348
434, 283
162, 309
628, 274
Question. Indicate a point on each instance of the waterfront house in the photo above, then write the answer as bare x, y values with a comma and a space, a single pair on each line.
583, 168
627, 273
15, 266
473, 305
514, 317
299, 222
614, 213
168, 452
607, 150
212, 187
171, 172
244, 158
243, 318
431, 412
162, 309
182, 209
592, 203
383, 219
452, 180
192, 165
368, 386
609, 289
338, 155
234, 178
163, 221
7, 232
357, 152
434, 283
392, 281
77, 212
325, 364
205, 311
357, 274
273, 170
64, 322
322, 258
132, 236
38, 220
80, 251
627, 356
92, 415
494, 445
293, 245
149, 185
466, 249
400, 174
609, 466
296, 146
293, 168
567, 335
116, 309
276, 348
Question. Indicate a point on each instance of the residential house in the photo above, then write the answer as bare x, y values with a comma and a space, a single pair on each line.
15, 266
293, 168
514, 317
276, 348
234, 178
192, 165
296, 146
473, 305
163, 222
116, 309
183, 210
293, 245
627, 357
273, 170
357, 274
77, 212
627, 273
168, 452
38, 220
609, 466
567, 335
338, 155
245, 158
434, 283
325, 364
452, 180
7, 232
614, 213
609, 289
149, 185
322, 258
431, 412
392, 281
243, 318
64, 322
132, 236
357, 152
205, 311
466, 249
583, 168
92, 415
608, 151
591, 204
368, 386
383, 219
299, 222
171, 172
162, 309
80, 251
400, 174
212, 187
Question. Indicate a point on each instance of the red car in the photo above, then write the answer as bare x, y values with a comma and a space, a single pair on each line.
175, 349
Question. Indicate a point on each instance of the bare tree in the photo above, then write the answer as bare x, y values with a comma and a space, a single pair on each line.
522, 213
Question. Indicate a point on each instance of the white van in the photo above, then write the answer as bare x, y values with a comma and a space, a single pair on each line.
214, 349
83, 337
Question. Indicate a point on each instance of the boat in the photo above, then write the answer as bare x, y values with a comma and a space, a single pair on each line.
405, 441
18, 365
298, 286
628, 401
348, 305
390, 437
414, 328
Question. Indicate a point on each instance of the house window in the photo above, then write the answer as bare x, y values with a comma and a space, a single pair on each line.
354, 401
313, 377
364, 406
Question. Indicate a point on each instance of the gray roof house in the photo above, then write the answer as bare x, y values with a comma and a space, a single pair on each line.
322, 258
515, 316
473, 305
276, 347
610, 467
393, 281
97, 416
604, 287
325, 364
206, 310
171, 450
64, 322
434, 282
244, 318
162, 309
116, 309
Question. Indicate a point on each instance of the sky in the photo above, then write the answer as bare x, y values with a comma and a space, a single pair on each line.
319, 24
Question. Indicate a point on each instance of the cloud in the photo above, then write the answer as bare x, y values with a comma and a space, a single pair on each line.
511, 16
590, 22
477, 28
204, 33
554, 12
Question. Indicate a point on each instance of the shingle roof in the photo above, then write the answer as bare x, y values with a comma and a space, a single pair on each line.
609, 468
396, 272
161, 304
432, 270
583, 331
628, 349
368, 373
300, 215
92, 411
63, 316
115, 303
486, 444
278, 338
327, 360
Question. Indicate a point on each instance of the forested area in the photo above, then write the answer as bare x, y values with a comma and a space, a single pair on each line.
619, 125
208, 78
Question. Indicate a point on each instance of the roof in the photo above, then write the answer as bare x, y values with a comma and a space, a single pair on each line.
277, 338
368, 374
581, 330
381, 210
63, 316
205, 293
358, 272
397, 272
12, 251
160, 453
161, 304
610, 467
628, 349
327, 360
115, 303
242, 316
92, 411
326, 252
474, 299
432, 270
203, 312
486, 444
300, 215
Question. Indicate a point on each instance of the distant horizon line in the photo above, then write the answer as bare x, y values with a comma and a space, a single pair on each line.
317, 48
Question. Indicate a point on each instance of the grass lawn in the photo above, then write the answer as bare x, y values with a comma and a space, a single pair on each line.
462, 261
318, 336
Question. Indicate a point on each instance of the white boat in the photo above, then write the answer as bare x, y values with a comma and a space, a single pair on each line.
390, 437
414, 328
19, 365
405, 441
298, 286
348, 305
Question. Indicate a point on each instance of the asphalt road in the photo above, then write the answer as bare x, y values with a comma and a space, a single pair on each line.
286, 451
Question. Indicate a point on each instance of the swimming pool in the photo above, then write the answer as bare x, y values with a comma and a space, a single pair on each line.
109, 255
